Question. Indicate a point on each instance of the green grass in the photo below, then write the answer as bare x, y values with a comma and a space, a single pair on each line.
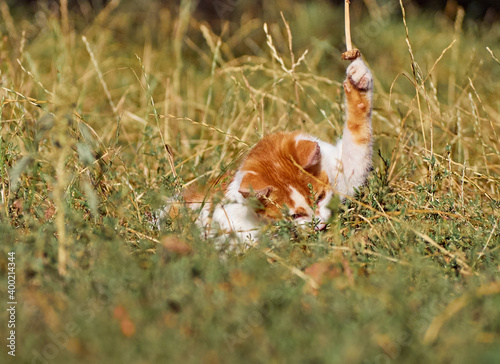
408, 272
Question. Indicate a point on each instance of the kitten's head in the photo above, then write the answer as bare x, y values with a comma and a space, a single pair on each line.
284, 172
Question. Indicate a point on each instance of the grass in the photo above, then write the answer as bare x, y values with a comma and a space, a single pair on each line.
407, 272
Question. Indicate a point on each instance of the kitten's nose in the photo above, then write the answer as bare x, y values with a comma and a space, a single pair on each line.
320, 226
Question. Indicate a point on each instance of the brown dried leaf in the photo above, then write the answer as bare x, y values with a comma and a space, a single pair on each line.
50, 212
17, 206
239, 279
176, 245
127, 327
120, 312
321, 270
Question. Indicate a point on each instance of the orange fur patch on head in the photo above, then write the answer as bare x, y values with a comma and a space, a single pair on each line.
308, 153
278, 164
253, 186
252, 183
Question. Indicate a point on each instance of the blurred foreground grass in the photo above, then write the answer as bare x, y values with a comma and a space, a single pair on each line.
87, 104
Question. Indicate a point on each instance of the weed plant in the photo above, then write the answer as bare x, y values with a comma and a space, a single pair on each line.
108, 112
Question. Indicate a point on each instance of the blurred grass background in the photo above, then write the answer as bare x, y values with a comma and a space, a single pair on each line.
91, 95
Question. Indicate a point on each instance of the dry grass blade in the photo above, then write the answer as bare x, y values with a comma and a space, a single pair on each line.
168, 150
143, 236
467, 269
9, 21
35, 79
64, 16
489, 239
454, 307
347, 20
274, 52
294, 270
493, 55
415, 72
211, 127
101, 78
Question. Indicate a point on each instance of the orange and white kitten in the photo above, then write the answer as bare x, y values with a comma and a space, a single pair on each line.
282, 169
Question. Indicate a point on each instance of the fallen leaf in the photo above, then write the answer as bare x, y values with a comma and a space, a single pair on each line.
50, 212
127, 327
120, 312
321, 270
176, 245
17, 205
348, 271
239, 279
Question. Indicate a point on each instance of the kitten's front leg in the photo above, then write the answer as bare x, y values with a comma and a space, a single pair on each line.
357, 138
358, 87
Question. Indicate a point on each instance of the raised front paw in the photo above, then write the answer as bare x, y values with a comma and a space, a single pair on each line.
359, 76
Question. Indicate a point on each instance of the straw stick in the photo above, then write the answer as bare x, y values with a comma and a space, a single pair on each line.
350, 54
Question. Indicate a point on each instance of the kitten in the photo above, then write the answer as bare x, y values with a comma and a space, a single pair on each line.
296, 172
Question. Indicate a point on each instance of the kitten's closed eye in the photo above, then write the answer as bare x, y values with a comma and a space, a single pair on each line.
321, 197
298, 216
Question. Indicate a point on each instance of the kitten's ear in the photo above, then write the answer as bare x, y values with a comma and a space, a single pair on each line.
252, 185
308, 153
